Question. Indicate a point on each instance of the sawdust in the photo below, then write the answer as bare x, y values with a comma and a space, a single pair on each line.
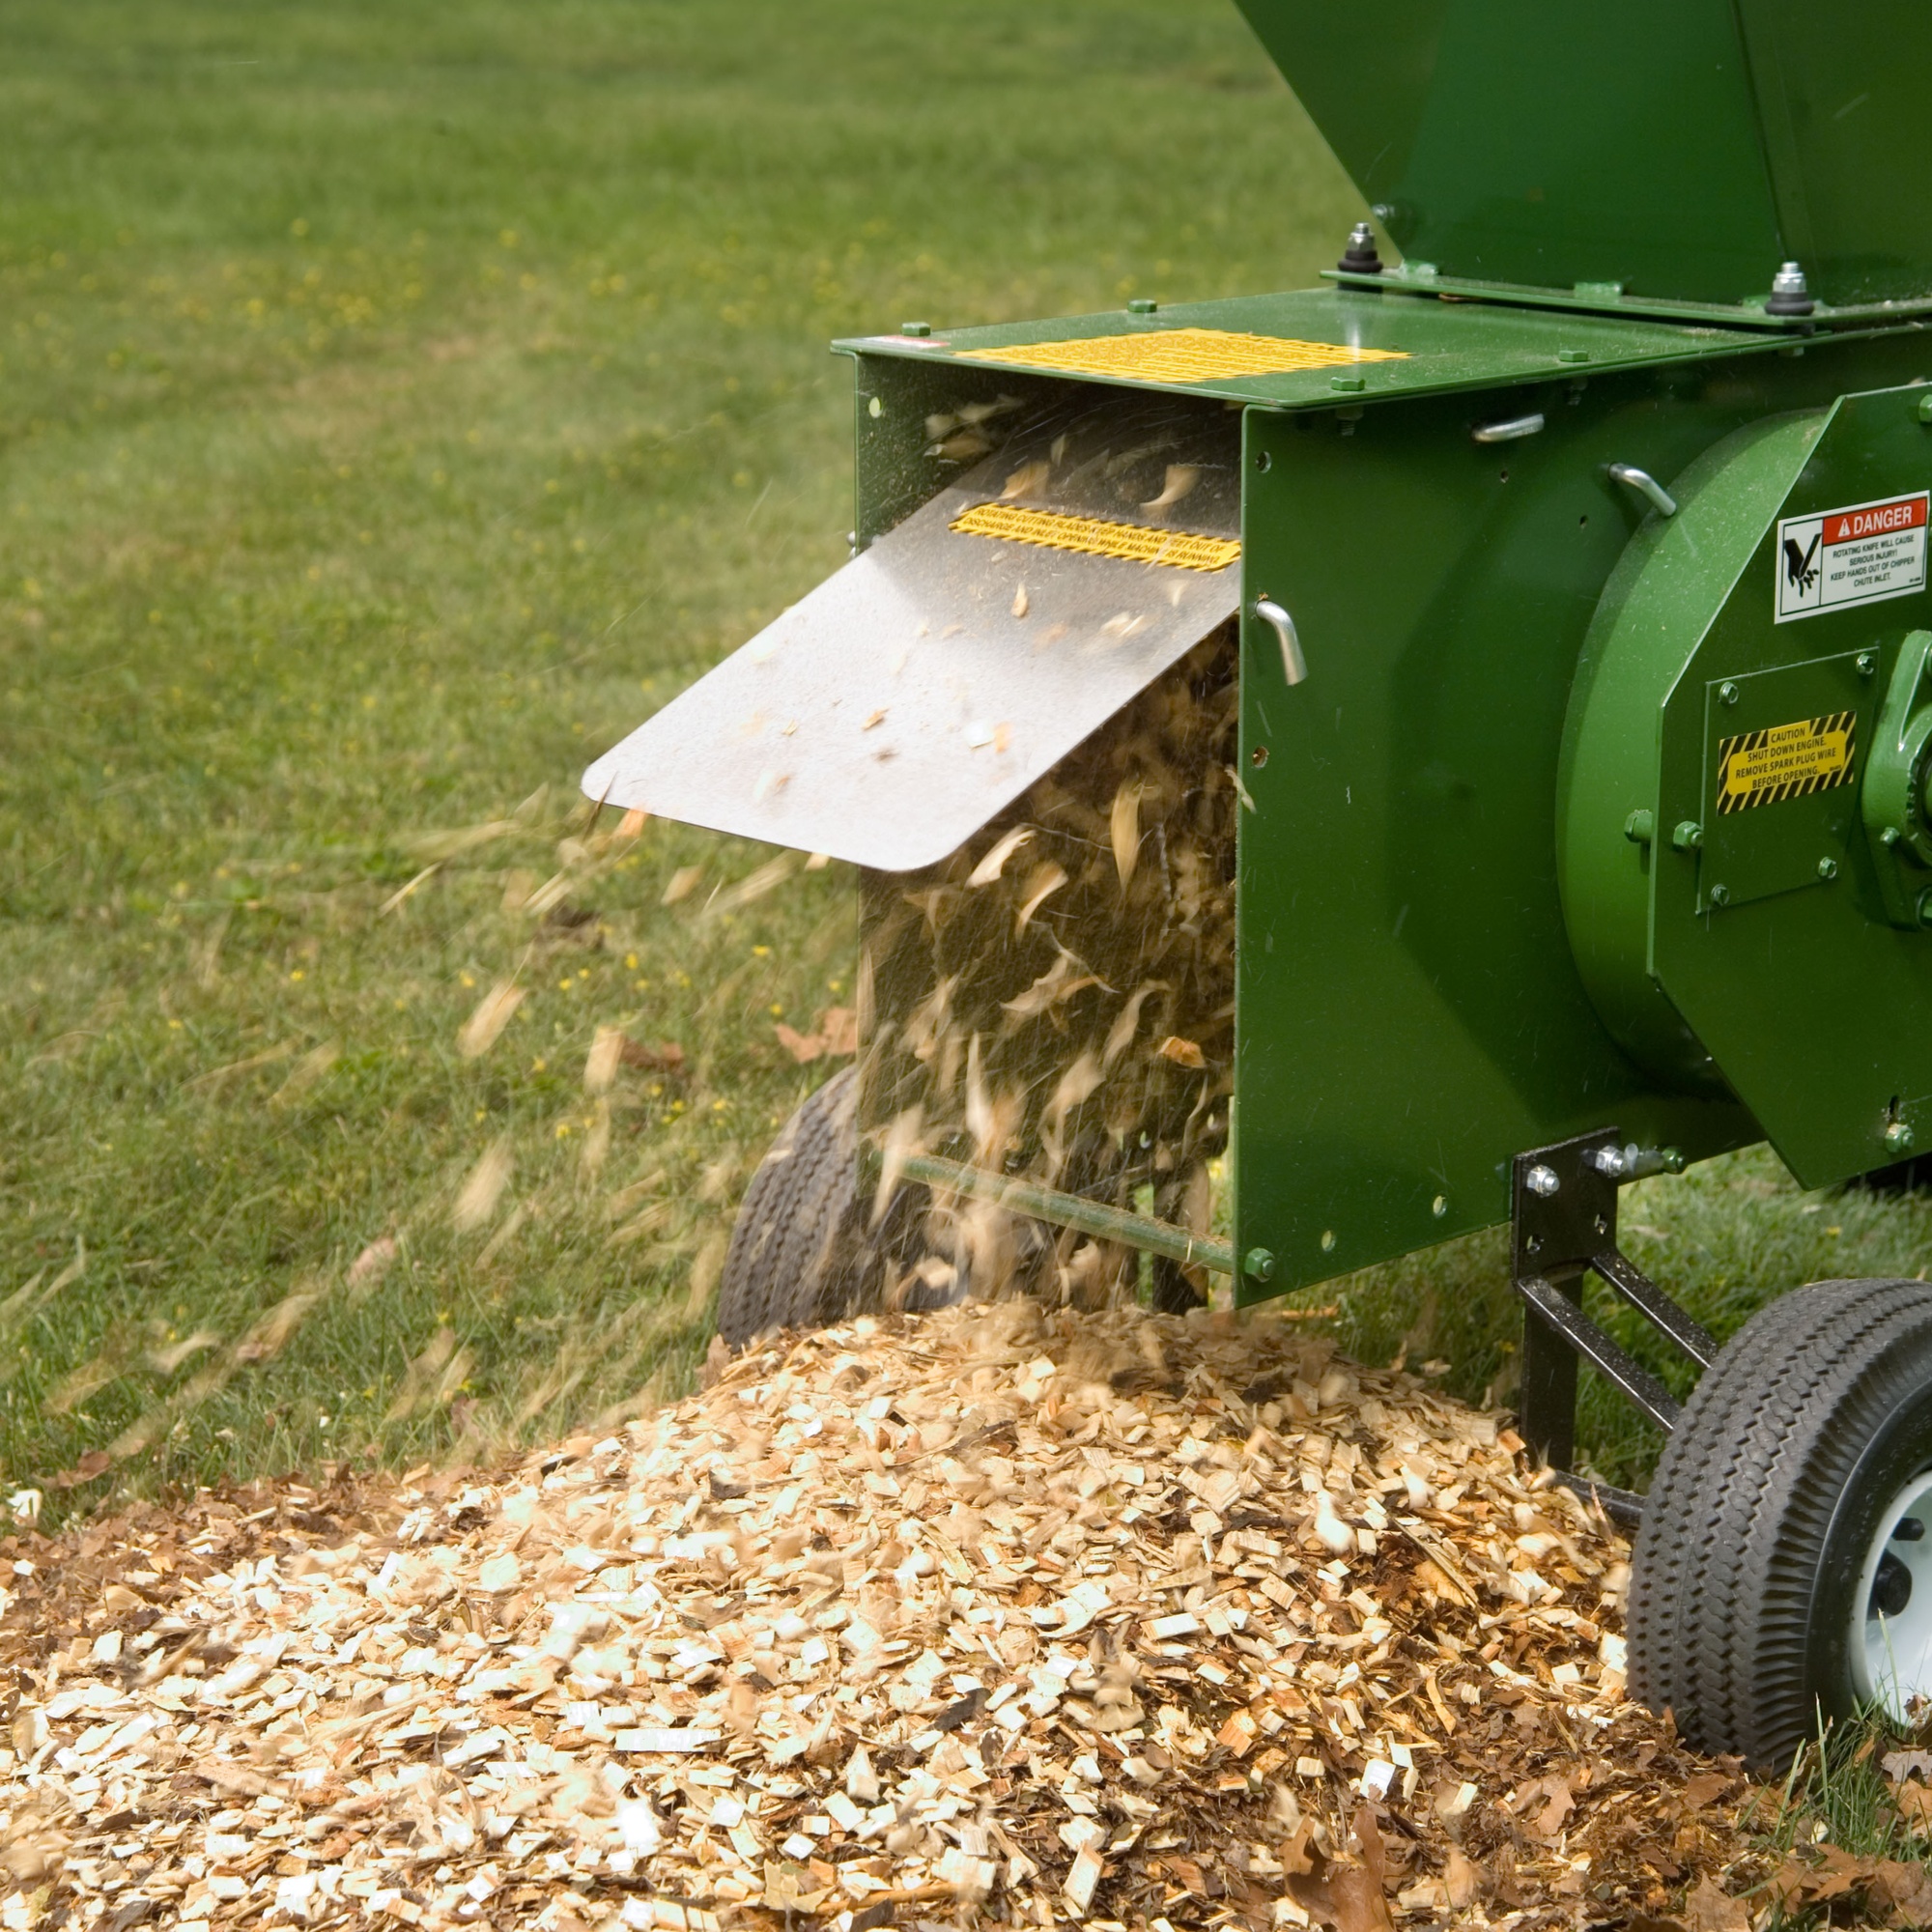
997, 1617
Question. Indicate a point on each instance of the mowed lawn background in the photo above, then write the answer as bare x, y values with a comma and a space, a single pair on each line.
397, 403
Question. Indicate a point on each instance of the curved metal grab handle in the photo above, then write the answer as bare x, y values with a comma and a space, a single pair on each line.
1294, 666
1511, 431
1645, 485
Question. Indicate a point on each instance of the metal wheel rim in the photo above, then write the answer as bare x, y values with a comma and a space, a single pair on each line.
1891, 1654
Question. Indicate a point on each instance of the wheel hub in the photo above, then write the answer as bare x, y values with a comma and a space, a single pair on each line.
1892, 1634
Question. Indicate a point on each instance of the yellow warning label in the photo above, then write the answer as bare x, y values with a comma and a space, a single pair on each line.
1185, 355
1786, 761
1096, 536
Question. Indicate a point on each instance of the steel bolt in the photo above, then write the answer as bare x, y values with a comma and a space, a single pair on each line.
1790, 293
1610, 1161
1686, 835
1721, 896
1361, 257
1728, 692
1573, 355
1897, 1138
1141, 305
915, 329
1259, 1263
1827, 869
1440, 1207
1347, 385
1867, 662
1543, 1181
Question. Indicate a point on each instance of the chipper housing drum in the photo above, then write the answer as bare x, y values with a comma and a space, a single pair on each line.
1450, 741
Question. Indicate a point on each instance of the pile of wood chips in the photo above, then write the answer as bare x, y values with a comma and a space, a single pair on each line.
993, 1616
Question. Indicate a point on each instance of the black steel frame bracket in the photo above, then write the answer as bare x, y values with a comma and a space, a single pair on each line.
1563, 1226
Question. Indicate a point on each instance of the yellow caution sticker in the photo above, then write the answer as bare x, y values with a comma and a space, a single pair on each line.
1786, 761
1096, 536
1185, 355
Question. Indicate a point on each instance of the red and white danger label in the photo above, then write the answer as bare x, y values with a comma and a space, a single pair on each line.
1859, 555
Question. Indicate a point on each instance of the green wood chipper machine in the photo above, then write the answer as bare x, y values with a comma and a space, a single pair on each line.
1430, 749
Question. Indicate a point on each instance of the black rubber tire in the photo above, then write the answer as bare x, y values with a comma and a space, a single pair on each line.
801, 1254
1764, 1507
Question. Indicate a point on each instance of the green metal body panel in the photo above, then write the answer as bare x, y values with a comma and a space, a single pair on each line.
1410, 1011
1771, 933
1673, 576
1681, 148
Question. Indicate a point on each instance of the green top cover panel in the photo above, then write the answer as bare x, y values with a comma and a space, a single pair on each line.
1681, 148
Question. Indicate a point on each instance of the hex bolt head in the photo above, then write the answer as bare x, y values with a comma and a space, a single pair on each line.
1867, 663
1827, 869
1790, 293
1141, 305
1720, 894
1686, 835
1361, 256
1258, 1265
1897, 1138
1728, 692
1542, 1181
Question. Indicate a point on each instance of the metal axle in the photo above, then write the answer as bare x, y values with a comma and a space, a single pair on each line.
1072, 1211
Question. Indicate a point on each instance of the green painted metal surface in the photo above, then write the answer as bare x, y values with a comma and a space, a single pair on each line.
1410, 1011
1443, 347
1683, 148
1415, 1007
1669, 583
1804, 991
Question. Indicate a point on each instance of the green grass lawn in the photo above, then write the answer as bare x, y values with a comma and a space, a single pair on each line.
396, 403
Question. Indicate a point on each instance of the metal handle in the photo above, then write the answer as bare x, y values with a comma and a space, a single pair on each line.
1645, 485
1294, 666
1508, 431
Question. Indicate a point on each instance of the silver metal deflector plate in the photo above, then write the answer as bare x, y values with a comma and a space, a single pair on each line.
912, 696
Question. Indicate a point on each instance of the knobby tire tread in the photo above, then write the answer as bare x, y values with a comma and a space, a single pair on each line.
792, 1260
1736, 1528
